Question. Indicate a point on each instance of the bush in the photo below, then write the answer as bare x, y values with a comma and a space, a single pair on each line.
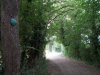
40, 68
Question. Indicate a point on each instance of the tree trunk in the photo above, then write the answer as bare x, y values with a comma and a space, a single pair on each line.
10, 37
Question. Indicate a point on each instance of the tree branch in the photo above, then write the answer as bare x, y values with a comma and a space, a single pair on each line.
59, 15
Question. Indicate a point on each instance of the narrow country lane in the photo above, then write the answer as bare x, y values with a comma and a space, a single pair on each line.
71, 67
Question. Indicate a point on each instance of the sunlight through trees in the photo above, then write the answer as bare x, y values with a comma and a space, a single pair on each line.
31, 28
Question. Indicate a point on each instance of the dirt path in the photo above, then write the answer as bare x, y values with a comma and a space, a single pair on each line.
54, 69
64, 66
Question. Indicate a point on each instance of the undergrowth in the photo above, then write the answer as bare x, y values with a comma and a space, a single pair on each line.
86, 59
40, 68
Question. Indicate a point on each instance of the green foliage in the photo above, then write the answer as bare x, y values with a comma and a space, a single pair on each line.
76, 23
40, 68
78, 29
33, 26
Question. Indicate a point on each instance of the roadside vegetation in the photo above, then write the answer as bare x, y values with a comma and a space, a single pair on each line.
74, 23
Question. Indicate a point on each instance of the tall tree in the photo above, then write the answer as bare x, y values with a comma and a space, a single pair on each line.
10, 37
33, 20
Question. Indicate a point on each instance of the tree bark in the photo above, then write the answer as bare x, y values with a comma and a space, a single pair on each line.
10, 37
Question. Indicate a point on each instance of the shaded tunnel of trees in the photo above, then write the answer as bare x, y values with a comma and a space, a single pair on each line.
76, 23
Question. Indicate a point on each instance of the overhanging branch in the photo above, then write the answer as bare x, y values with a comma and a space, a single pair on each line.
59, 15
